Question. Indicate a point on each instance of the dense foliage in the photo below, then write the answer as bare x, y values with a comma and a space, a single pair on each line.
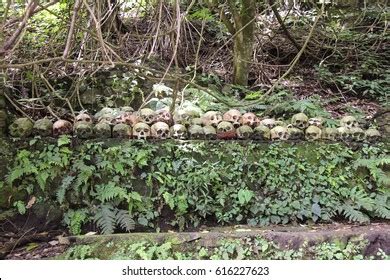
123, 185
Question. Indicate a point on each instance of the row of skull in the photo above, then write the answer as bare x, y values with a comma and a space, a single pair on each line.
265, 130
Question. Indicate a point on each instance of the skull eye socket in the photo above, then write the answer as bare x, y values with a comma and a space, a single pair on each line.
87, 119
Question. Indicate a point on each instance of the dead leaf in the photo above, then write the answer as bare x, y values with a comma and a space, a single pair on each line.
31, 202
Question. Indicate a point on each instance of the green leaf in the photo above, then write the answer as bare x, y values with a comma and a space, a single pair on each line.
244, 196
63, 140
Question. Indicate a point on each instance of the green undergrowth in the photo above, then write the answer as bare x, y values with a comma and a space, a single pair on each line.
125, 185
248, 248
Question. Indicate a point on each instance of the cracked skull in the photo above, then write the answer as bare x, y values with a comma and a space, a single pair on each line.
178, 131
141, 131
212, 118
279, 133
349, 122
300, 121
62, 127
313, 133
160, 130
43, 127
233, 116
21, 127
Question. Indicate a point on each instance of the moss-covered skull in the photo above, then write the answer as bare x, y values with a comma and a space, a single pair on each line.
330, 134
43, 127
83, 130
141, 131
212, 118
313, 133
233, 116
349, 122
300, 121
268, 122
210, 133
107, 115
102, 130
226, 130
295, 133
62, 127
244, 132
357, 134
160, 130
195, 132
373, 135
344, 133
250, 119
279, 133
21, 128
197, 121
121, 130
261, 132
178, 131
147, 115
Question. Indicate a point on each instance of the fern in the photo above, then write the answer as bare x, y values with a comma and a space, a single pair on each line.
107, 192
382, 205
374, 167
353, 214
124, 220
105, 218
63, 187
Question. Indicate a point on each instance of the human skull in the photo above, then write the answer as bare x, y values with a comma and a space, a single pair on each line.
83, 117
141, 131
127, 109
147, 116
178, 131
300, 121
62, 127
250, 119
210, 133
83, 130
261, 132
279, 133
244, 132
21, 128
226, 130
197, 121
373, 135
164, 115
212, 118
102, 130
127, 118
192, 111
121, 130
270, 123
294, 132
43, 127
313, 133
317, 121
196, 132
349, 122
344, 133
330, 134
181, 117
233, 116
357, 134
160, 130
108, 115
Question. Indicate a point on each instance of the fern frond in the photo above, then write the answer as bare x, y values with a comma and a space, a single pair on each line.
354, 215
105, 218
124, 220
107, 192
63, 188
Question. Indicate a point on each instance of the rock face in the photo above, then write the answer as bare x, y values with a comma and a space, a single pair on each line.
383, 120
